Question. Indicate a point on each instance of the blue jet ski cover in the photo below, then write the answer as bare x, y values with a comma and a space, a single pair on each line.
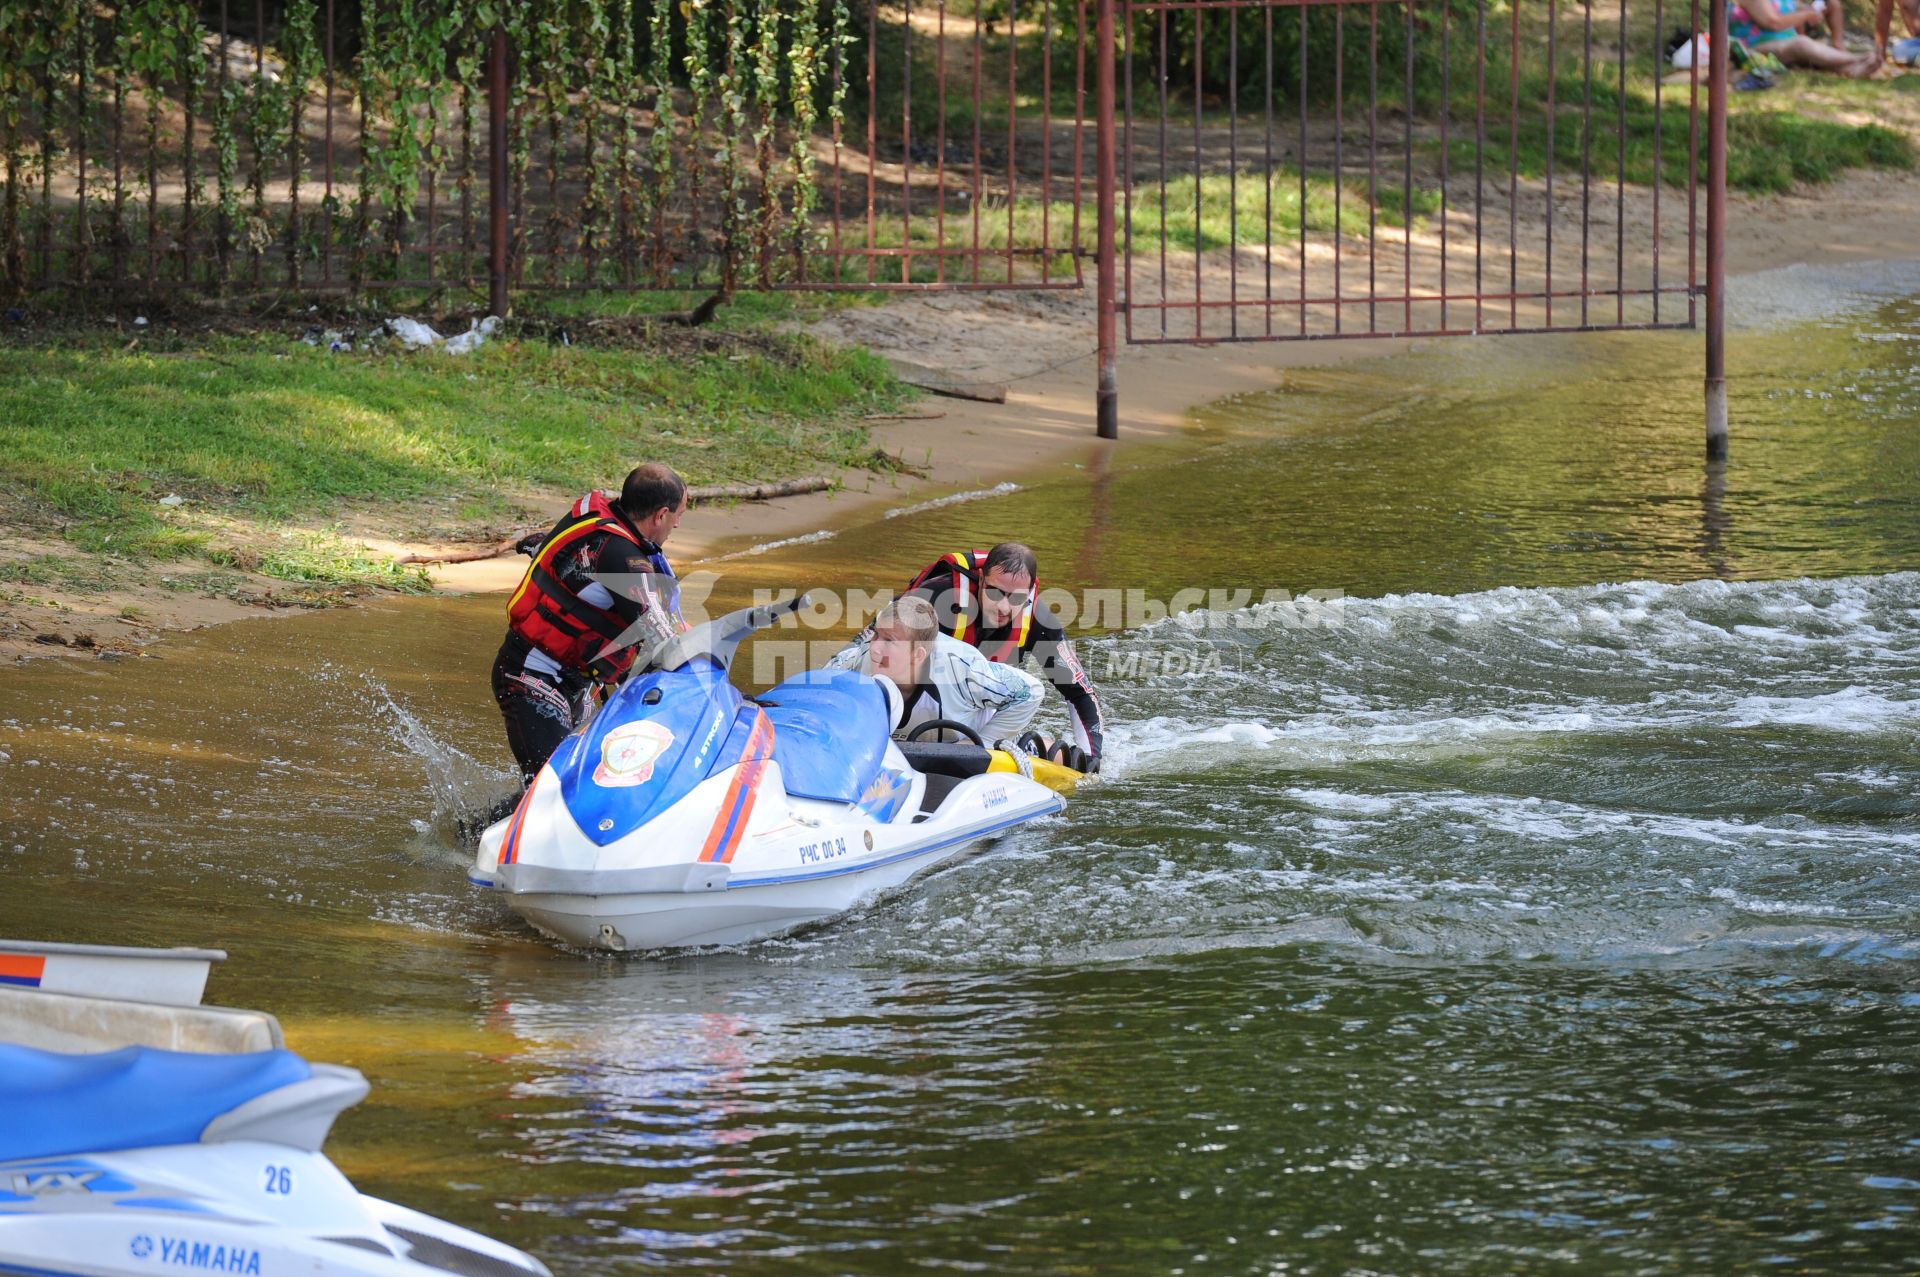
829, 733
136, 1097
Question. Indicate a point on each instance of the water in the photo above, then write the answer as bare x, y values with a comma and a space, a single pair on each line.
1549, 900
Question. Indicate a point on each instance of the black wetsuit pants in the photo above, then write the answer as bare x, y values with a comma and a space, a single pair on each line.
539, 711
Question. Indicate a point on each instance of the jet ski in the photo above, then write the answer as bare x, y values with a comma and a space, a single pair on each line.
141, 1160
684, 813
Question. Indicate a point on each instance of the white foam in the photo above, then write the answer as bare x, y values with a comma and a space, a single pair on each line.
808, 539
997, 490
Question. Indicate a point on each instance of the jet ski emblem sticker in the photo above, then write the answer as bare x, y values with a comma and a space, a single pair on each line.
628, 753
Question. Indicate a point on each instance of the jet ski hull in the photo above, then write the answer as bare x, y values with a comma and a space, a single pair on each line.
138, 1160
685, 814
740, 913
805, 867
212, 1209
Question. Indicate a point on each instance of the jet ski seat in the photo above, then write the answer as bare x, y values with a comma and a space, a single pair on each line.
830, 732
136, 1097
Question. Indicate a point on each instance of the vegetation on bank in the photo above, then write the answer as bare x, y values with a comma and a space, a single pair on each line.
239, 449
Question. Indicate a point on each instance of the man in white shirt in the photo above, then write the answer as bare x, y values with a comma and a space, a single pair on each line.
941, 677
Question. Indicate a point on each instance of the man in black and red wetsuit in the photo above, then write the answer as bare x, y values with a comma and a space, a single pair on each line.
990, 598
566, 629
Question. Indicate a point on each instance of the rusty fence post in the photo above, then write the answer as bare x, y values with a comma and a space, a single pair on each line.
1717, 236
497, 174
1107, 400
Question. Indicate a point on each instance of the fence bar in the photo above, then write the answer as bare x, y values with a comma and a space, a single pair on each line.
119, 233
497, 181
222, 229
1339, 136
1586, 157
1046, 139
979, 62
328, 203
1266, 183
1126, 207
1373, 163
48, 94
1620, 172
82, 238
940, 146
1302, 157
260, 153
1107, 395
906, 140
1658, 177
1162, 172
1013, 115
1198, 238
1446, 156
1717, 239
1406, 207
1553, 114
1079, 115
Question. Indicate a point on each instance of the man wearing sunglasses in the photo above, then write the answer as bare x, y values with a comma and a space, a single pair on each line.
990, 598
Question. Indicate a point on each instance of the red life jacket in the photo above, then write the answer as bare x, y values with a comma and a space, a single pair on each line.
962, 571
551, 617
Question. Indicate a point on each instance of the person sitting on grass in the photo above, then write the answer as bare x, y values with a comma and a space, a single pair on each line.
1779, 27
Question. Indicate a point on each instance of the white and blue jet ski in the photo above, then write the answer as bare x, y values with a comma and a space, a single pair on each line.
142, 1161
685, 814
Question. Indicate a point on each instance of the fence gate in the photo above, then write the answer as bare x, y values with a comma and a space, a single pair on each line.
1288, 170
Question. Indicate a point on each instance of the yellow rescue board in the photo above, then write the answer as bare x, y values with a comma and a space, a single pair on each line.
1061, 780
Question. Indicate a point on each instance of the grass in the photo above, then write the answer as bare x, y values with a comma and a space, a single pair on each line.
1222, 209
321, 559
271, 431
1770, 146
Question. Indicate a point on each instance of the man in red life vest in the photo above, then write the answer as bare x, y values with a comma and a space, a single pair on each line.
990, 598
598, 591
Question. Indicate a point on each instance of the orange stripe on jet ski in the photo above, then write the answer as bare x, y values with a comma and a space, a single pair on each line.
730, 822
22, 968
511, 847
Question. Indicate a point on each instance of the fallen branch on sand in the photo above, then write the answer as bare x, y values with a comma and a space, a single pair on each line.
939, 382
759, 491
695, 496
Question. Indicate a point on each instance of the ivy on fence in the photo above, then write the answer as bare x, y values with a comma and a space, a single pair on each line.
673, 141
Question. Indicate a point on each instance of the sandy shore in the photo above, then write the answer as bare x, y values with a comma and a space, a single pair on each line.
1041, 346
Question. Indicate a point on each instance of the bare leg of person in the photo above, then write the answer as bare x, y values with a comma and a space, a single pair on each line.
1804, 51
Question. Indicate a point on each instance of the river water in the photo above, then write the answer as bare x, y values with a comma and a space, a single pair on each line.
1535, 887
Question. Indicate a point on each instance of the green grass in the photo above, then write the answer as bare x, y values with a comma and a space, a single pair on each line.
1227, 209
1770, 146
322, 559
57, 571
268, 430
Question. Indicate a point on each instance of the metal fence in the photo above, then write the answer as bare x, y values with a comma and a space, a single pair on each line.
1266, 201
1259, 169
327, 145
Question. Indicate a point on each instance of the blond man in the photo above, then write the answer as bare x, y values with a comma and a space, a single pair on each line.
941, 677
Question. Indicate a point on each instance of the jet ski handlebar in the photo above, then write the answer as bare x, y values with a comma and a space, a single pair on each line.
720, 638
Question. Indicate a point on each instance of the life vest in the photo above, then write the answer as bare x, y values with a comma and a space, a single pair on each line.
550, 616
963, 570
